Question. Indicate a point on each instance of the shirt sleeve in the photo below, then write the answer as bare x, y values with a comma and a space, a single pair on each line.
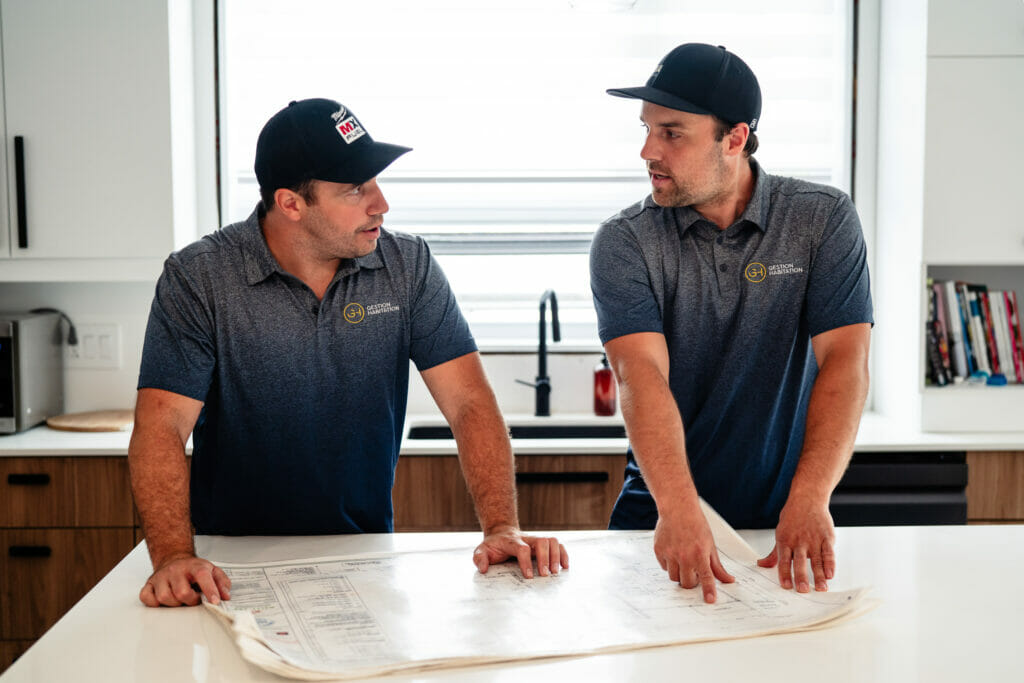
620, 282
439, 331
179, 352
839, 287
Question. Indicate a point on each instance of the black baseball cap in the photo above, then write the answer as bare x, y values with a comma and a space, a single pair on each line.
319, 139
702, 79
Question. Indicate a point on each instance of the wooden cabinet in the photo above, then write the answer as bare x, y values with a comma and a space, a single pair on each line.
44, 572
555, 492
430, 495
568, 491
995, 486
64, 523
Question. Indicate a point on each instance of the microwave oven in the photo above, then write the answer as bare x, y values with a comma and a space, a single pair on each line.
31, 370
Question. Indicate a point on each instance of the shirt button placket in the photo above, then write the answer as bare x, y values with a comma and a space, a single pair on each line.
726, 259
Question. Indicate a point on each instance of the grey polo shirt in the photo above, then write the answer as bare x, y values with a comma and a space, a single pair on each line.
304, 400
738, 308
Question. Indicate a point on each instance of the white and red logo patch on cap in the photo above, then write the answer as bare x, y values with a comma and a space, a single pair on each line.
350, 130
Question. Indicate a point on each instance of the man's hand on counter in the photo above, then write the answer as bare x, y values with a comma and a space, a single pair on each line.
183, 580
508, 542
805, 532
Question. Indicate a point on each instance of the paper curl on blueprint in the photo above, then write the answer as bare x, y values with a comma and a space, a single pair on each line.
359, 616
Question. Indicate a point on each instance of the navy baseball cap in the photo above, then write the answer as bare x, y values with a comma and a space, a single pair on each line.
702, 79
319, 139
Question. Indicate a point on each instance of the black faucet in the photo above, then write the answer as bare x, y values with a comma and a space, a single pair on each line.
543, 382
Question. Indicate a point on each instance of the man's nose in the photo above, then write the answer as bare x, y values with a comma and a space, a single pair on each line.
650, 151
378, 204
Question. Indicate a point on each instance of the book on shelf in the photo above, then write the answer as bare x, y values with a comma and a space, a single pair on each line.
973, 334
1001, 332
954, 331
938, 361
1017, 341
977, 335
980, 313
942, 329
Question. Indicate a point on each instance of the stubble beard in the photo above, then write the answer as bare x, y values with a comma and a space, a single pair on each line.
683, 192
331, 245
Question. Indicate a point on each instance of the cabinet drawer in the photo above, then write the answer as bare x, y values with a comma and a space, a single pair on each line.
555, 492
65, 492
568, 491
431, 495
995, 486
44, 572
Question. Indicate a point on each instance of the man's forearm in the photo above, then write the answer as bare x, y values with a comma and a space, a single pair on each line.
656, 436
833, 416
160, 485
485, 455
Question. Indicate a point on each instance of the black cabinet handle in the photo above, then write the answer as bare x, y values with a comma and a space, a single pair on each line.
560, 477
28, 479
29, 551
19, 182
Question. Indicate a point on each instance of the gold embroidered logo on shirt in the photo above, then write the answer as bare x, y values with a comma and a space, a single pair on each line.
755, 272
354, 313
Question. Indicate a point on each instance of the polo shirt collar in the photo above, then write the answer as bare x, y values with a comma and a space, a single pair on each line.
756, 211
758, 208
261, 264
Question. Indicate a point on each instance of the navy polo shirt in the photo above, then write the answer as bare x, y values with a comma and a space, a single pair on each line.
304, 400
738, 308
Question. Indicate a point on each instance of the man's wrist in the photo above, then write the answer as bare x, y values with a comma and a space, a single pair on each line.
500, 528
815, 495
681, 505
161, 556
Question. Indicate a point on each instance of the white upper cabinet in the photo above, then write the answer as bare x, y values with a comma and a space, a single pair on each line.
973, 177
975, 27
88, 89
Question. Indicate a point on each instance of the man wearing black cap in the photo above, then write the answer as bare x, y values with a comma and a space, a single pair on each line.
737, 304
284, 342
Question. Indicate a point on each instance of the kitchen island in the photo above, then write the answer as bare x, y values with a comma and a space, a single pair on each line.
950, 610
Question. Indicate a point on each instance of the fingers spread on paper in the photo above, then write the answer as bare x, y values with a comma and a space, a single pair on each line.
510, 543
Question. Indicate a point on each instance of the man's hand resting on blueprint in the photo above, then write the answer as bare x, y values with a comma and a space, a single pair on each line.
506, 542
686, 550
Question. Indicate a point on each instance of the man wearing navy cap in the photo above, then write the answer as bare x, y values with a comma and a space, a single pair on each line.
282, 344
735, 309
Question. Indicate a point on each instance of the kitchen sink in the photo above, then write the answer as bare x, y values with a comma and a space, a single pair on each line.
532, 431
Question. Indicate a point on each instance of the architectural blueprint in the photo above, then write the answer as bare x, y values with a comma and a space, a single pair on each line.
357, 616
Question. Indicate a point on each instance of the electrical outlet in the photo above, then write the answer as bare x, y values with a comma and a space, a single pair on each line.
99, 346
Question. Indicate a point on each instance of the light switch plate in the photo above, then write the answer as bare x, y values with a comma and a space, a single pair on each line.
99, 346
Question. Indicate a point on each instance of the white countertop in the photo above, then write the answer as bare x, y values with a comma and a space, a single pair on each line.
950, 611
876, 433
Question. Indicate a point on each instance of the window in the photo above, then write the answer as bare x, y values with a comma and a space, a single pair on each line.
518, 152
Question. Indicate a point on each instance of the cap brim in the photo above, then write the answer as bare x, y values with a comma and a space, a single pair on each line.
660, 97
371, 162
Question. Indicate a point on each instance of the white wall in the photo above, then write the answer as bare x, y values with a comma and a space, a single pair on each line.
125, 304
898, 213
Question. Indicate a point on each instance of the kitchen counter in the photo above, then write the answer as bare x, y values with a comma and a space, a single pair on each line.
949, 611
877, 434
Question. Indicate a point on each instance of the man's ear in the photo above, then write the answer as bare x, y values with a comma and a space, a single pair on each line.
737, 138
291, 204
